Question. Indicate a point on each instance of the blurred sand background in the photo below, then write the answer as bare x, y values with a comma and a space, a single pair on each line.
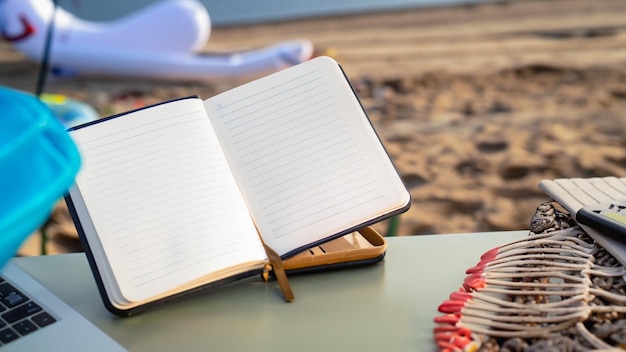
474, 103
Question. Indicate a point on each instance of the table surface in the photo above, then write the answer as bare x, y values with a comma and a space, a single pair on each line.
383, 307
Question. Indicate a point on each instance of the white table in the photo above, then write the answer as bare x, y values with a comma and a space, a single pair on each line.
389, 306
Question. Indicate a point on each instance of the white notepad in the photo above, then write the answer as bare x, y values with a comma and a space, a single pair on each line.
575, 193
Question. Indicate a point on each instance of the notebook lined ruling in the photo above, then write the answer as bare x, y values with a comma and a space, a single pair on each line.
194, 193
575, 193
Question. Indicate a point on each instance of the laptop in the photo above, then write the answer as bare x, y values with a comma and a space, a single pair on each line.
32, 318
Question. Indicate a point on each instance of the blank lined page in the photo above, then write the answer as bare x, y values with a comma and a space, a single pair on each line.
305, 154
575, 193
162, 199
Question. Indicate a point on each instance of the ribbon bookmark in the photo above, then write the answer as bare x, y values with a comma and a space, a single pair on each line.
279, 271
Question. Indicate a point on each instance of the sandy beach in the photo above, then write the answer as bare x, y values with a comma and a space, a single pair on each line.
475, 104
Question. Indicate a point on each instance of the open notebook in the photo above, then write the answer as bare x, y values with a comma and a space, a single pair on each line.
196, 193
575, 193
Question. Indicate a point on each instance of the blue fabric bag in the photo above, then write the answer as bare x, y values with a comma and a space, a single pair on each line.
38, 163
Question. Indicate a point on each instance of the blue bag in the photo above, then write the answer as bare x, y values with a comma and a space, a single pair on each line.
38, 163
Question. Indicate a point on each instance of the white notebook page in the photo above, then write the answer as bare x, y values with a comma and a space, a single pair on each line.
305, 155
575, 193
162, 199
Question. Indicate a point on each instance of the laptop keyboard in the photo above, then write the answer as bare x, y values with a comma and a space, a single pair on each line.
19, 315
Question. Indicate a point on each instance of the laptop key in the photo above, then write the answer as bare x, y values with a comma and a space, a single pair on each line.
7, 335
21, 312
43, 319
24, 327
11, 296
